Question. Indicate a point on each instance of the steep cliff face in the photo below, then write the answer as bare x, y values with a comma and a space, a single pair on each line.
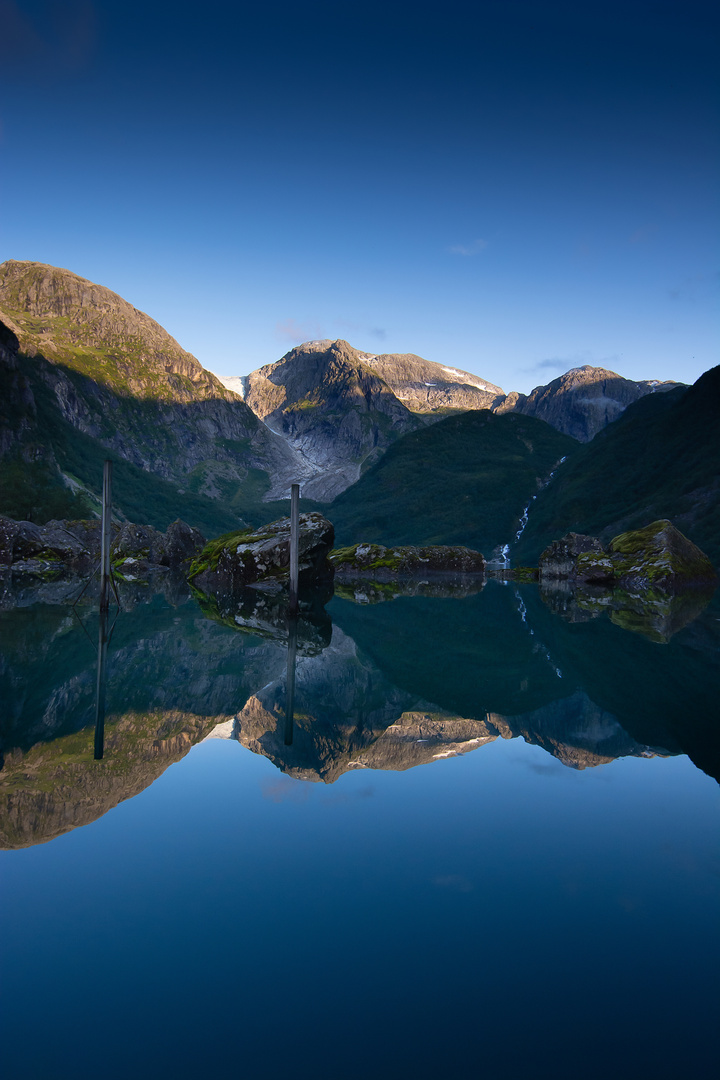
58, 786
582, 401
331, 408
86, 358
92, 330
427, 388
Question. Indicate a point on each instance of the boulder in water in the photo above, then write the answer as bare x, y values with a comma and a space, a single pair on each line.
260, 558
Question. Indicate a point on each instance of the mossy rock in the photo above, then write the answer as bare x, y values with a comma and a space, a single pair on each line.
658, 556
260, 558
375, 560
594, 567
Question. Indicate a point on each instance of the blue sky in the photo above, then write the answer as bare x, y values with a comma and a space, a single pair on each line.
514, 187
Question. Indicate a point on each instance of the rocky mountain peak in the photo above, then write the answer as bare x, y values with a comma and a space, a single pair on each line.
428, 387
584, 400
87, 327
331, 407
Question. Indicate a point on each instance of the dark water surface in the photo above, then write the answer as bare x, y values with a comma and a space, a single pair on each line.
486, 846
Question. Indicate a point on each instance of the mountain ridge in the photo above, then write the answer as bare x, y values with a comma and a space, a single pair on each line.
332, 408
85, 373
79, 363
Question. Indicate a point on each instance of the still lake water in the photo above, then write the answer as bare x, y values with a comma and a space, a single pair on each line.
490, 849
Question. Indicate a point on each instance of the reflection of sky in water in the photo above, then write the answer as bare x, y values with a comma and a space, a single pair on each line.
492, 913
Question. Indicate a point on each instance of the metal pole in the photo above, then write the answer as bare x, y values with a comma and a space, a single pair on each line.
294, 546
105, 537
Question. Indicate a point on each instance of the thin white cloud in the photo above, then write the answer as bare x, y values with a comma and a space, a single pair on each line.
468, 249
567, 363
643, 234
297, 331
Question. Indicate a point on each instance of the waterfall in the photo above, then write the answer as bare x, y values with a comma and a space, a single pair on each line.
526, 512
524, 519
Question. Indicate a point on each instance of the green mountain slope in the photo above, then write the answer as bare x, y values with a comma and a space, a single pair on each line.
660, 459
83, 376
464, 480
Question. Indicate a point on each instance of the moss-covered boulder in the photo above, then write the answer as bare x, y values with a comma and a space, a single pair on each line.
658, 557
576, 557
260, 558
374, 560
138, 549
73, 547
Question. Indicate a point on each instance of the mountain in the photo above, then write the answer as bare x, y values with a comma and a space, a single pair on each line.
367, 699
85, 375
332, 408
95, 332
428, 388
579, 403
464, 480
582, 401
660, 459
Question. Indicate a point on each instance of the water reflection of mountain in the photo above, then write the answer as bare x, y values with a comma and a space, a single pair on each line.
505, 652
400, 684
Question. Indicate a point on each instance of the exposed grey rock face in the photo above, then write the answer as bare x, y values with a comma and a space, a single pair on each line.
561, 559
426, 387
582, 401
260, 558
58, 312
333, 410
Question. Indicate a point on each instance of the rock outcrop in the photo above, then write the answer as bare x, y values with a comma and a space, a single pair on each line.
377, 561
576, 558
659, 557
656, 557
73, 547
260, 558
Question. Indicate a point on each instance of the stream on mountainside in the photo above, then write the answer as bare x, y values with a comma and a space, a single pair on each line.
416, 823
503, 552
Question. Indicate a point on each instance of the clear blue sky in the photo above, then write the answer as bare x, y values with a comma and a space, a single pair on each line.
512, 187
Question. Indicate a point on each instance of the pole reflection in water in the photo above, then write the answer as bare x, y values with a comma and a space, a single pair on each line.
105, 585
290, 684
101, 680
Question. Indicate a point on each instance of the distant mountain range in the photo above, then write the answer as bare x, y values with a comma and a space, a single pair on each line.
397, 445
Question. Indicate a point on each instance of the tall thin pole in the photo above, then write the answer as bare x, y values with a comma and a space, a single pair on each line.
294, 547
105, 537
